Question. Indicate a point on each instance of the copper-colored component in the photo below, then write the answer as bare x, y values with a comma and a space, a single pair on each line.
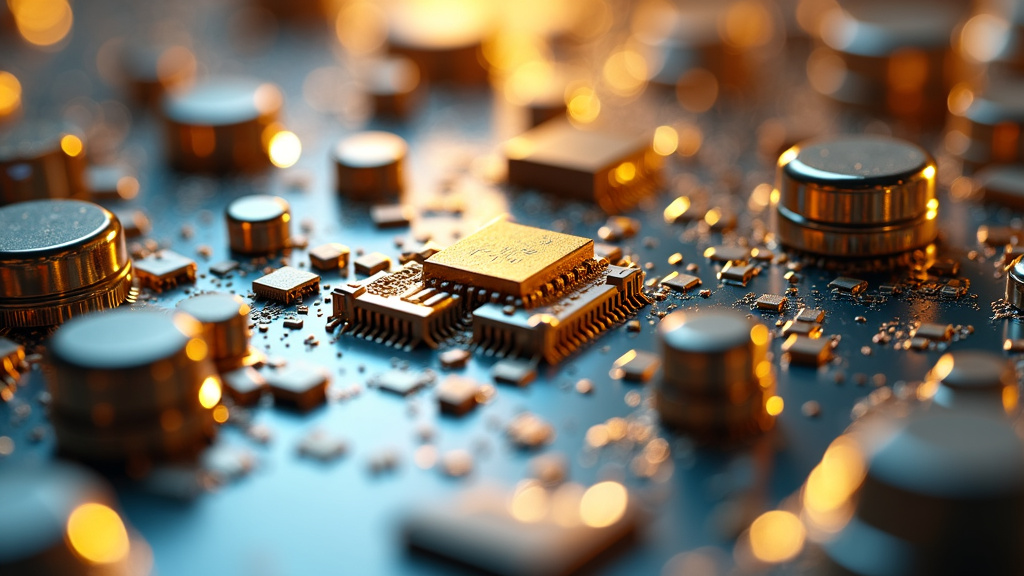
222, 125
58, 259
129, 384
556, 331
614, 170
444, 39
856, 196
152, 71
392, 83
286, 284
259, 224
370, 166
987, 130
716, 378
508, 258
39, 160
890, 59
225, 319
397, 308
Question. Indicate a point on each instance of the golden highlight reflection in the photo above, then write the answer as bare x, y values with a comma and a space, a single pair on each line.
603, 504
97, 534
529, 503
284, 149
776, 536
10, 94
831, 484
42, 22
209, 392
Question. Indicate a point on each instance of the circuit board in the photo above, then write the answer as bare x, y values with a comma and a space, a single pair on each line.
414, 421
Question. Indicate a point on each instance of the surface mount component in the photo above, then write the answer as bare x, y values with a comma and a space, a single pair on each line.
164, 270
556, 330
519, 534
512, 261
614, 170
219, 125
132, 387
39, 160
225, 319
58, 259
935, 492
369, 166
286, 284
856, 196
716, 378
259, 224
62, 519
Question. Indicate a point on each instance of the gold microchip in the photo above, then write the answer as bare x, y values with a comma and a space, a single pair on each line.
508, 258
165, 270
613, 169
286, 284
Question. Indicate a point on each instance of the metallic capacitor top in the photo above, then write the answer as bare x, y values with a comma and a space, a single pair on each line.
222, 125
58, 259
40, 160
973, 379
370, 166
716, 377
984, 128
935, 492
259, 224
1015, 284
225, 319
132, 384
856, 196
61, 519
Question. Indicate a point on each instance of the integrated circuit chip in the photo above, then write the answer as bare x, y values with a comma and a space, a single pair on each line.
286, 284
612, 169
509, 259
165, 270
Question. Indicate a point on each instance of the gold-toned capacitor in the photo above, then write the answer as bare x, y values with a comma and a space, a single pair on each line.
370, 166
444, 39
58, 259
259, 224
40, 160
985, 129
391, 83
225, 319
855, 196
716, 379
132, 384
151, 71
1015, 284
221, 125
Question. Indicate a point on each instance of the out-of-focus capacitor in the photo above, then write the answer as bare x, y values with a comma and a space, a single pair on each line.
444, 39
856, 196
222, 125
370, 165
392, 83
985, 129
225, 319
259, 224
151, 71
41, 160
58, 259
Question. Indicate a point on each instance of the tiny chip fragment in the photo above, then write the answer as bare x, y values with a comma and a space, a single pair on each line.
286, 284
164, 270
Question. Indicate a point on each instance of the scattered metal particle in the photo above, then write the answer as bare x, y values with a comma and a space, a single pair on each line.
550, 469
457, 463
934, 332
1013, 346
528, 430
635, 366
514, 371
320, 445
228, 463
633, 326
675, 259
384, 460
457, 395
860, 319
584, 386
401, 382
455, 358
944, 267
811, 409
223, 268
618, 228
293, 323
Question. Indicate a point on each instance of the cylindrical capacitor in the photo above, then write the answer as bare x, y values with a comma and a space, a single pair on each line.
716, 377
1015, 284
150, 71
985, 128
444, 39
973, 379
225, 319
58, 259
856, 196
132, 386
61, 519
369, 166
259, 224
40, 160
935, 492
392, 83
222, 125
